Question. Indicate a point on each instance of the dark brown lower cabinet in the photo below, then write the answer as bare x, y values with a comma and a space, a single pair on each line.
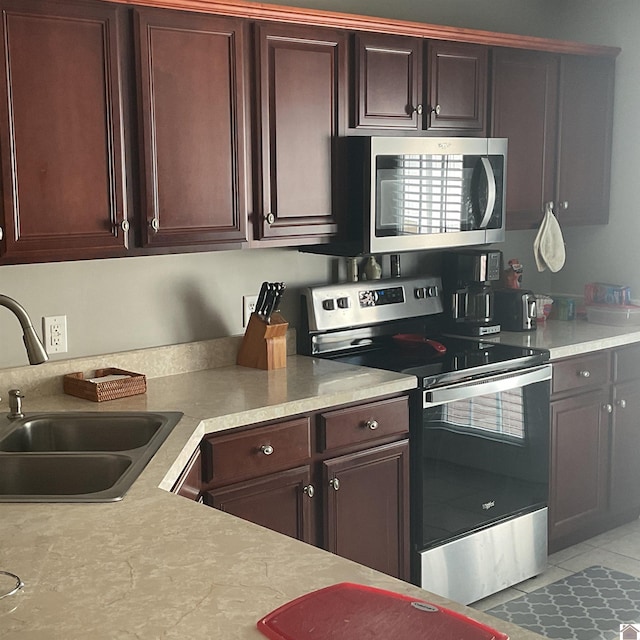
579, 464
367, 507
280, 502
337, 479
595, 440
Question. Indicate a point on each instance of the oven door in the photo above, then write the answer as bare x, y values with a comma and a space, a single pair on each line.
480, 457
482, 452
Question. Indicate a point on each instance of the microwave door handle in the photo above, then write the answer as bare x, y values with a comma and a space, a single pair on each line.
491, 192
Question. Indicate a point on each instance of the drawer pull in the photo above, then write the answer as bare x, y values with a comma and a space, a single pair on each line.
309, 490
584, 374
334, 483
622, 403
608, 408
267, 449
371, 424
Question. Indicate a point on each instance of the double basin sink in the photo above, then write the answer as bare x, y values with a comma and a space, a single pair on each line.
88, 456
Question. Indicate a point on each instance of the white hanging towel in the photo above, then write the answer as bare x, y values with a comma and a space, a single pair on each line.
548, 247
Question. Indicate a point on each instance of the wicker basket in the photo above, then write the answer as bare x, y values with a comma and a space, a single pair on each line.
75, 385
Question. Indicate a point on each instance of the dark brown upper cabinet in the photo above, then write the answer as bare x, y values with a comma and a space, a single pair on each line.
61, 132
388, 82
301, 74
192, 102
584, 142
557, 112
395, 87
525, 99
457, 88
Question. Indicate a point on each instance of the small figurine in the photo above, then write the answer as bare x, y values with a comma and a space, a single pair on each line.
512, 277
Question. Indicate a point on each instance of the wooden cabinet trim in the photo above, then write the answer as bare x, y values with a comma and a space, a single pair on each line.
319, 18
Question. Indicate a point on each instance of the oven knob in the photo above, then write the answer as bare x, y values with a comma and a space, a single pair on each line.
427, 292
344, 303
329, 305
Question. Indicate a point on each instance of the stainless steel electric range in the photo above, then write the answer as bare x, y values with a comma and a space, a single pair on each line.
479, 436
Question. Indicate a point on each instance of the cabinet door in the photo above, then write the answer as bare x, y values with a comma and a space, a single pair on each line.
525, 103
579, 463
191, 72
387, 86
457, 88
301, 75
367, 507
281, 502
584, 146
61, 132
625, 448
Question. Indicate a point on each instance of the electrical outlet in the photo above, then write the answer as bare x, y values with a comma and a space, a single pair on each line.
248, 307
54, 329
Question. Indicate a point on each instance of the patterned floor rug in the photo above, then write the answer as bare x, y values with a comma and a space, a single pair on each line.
589, 605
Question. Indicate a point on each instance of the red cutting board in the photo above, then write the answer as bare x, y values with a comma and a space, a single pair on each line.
349, 611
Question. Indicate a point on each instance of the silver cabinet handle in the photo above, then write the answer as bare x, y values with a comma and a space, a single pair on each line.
267, 449
270, 218
334, 483
436, 110
125, 225
418, 109
155, 225
371, 424
584, 374
1, 233
309, 490
608, 408
621, 403
564, 204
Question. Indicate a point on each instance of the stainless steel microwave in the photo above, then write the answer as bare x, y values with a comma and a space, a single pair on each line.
410, 194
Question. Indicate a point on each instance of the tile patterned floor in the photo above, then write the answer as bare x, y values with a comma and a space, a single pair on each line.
618, 549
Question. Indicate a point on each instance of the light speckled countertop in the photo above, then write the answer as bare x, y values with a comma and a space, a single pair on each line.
156, 565
564, 339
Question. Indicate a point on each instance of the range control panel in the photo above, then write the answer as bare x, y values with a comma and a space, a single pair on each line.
355, 304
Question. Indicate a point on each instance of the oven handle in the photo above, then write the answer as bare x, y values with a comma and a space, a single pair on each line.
486, 386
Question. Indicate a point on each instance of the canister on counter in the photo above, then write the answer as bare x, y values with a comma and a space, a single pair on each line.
564, 308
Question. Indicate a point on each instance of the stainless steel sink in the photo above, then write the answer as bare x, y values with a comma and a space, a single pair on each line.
82, 432
61, 474
78, 456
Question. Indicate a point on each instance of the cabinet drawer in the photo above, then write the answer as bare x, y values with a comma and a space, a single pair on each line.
361, 424
240, 456
581, 373
626, 364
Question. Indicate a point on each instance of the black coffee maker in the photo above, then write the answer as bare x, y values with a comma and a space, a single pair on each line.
468, 296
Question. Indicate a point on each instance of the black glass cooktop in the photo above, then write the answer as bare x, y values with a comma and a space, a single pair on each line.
462, 359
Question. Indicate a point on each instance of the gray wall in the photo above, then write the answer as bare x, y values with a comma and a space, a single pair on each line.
127, 303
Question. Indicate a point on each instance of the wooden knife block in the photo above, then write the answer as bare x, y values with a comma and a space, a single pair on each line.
264, 345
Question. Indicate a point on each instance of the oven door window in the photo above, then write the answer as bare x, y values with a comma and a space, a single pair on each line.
423, 194
499, 416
